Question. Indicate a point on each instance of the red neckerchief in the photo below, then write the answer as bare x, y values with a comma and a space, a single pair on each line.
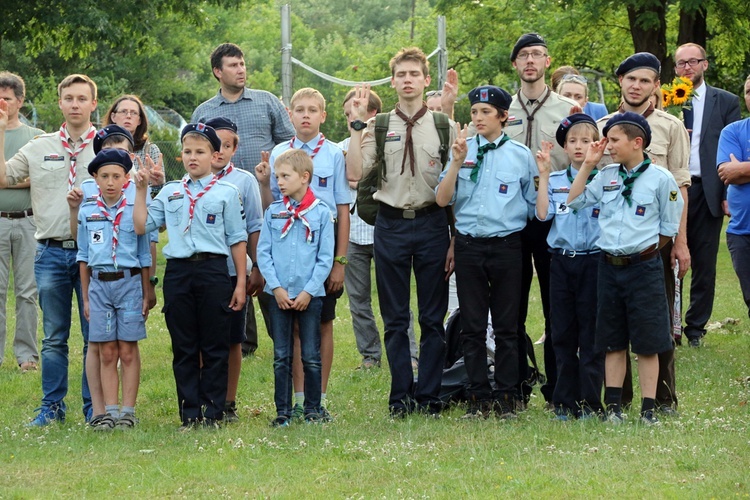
74, 154
317, 146
193, 201
409, 143
309, 201
115, 221
225, 171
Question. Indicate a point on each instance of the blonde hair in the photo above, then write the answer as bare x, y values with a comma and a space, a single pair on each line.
73, 79
309, 92
299, 160
592, 128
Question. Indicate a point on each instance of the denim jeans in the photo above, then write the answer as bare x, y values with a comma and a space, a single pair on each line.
57, 276
282, 332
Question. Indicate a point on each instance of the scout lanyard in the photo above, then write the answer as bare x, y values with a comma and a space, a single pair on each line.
309, 201
317, 146
481, 152
115, 221
74, 154
193, 201
530, 116
628, 181
409, 142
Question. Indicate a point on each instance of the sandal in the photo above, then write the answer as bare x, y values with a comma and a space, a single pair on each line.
127, 421
106, 424
28, 366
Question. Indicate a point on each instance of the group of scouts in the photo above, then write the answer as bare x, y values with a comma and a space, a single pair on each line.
609, 221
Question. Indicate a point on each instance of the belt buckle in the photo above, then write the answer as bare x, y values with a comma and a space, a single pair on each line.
569, 253
409, 214
69, 245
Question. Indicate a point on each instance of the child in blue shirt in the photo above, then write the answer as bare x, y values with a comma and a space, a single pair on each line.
114, 265
575, 260
295, 255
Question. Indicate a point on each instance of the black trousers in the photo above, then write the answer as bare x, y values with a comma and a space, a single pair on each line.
196, 309
488, 275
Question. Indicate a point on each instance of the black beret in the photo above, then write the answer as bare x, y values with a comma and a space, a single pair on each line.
111, 131
639, 61
567, 123
490, 95
204, 130
222, 123
630, 118
112, 156
527, 40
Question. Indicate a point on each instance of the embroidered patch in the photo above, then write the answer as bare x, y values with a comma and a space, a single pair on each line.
176, 197
640, 210
392, 138
673, 196
595, 213
97, 237
469, 164
614, 187
210, 219
96, 218
503, 188
322, 182
54, 157
281, 215
562, 208
561, 190
512, 121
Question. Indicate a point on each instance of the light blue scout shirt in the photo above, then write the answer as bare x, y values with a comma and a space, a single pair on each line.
247, 185
218, 223
291, 262
570, 231
91, 191
503, 198
656, 209
329, 182
95, 239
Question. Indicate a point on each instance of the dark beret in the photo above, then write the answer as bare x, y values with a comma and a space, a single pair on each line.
204, 130
112, 156
527, 40
567, 123
490, 95
222, 123
111, 131
630, 118
639, 61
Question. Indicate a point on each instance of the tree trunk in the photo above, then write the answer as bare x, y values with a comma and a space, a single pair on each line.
693, 27
648, 28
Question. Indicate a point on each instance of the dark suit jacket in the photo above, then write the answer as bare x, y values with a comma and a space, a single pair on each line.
721, 108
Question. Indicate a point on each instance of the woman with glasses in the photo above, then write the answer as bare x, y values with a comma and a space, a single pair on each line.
129, 112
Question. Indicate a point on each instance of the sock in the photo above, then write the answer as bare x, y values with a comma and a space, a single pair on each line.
613, 399
299, 398
322, 399
647, 404
113, 410
127, 410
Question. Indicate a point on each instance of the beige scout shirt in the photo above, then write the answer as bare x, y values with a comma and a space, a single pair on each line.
669, 148
46, 163
543, 126
406, 191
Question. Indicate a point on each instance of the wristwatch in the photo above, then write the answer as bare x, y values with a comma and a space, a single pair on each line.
358, 125
154, 280
341, 260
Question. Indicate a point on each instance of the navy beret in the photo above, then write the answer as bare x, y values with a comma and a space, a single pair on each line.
567, 123
222, 123
204, 130
630, 118
111, 131
527, 40
490, 95
639, 61
112, 156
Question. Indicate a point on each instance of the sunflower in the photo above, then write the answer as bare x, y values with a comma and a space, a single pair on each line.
681, 94
666, 98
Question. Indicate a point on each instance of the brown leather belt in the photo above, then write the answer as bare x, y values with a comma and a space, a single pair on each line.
626, 260
17, 215
115, 275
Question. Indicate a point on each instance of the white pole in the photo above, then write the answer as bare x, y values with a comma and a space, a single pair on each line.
286, 54
442, 52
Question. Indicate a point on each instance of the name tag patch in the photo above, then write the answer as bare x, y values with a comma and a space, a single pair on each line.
281, 215
561, 190
95, 218
97, 237
392, 137
469, 164
54, 157
512, 122
176, 197
613, 187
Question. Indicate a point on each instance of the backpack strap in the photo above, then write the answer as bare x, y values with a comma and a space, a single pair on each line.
443, 126
381, 129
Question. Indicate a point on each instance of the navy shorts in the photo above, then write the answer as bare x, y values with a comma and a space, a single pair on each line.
632, 308
115, 309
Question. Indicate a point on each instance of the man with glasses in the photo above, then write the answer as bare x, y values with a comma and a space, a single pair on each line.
710, 110
534, 115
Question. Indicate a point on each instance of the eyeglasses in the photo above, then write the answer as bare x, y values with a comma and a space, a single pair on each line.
689, 62
434, 93
127, 112
535, 54
572, 77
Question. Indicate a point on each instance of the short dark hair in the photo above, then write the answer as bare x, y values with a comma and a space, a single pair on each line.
631, 131
14, 82
222, 51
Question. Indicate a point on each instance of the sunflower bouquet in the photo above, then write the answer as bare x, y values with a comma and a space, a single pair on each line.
676, 95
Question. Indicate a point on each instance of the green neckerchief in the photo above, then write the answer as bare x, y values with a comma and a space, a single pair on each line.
628, 181
570, 178
480, 155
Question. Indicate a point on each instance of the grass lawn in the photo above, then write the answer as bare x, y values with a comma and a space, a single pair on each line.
703, 453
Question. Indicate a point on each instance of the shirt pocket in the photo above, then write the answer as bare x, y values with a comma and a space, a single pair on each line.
322, 178
609, 203
127, 236
508, 185
52, 173
212, 214
657, 152
98, 235
644, 204
173, 213
432, 162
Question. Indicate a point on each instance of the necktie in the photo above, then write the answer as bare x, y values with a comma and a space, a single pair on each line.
409, 144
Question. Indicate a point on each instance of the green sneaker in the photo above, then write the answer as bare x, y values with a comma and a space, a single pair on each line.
298, 412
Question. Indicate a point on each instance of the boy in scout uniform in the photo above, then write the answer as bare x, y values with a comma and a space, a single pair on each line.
640, 212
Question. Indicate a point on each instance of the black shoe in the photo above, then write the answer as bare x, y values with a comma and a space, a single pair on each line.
668, 411
505, 408
478, 410
694, 342
398, 413
230, 412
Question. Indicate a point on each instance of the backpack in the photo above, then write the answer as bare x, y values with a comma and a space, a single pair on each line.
367, 207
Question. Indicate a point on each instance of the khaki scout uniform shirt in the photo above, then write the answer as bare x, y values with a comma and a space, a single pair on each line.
46, 163
17, 200
543, 126
669, 148
406, 191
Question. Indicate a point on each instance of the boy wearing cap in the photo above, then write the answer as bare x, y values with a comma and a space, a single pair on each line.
491, 183
640, 211
575, 260
247, 185
114, 264
205, 223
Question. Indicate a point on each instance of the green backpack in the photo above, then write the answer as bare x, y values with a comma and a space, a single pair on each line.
367, 206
